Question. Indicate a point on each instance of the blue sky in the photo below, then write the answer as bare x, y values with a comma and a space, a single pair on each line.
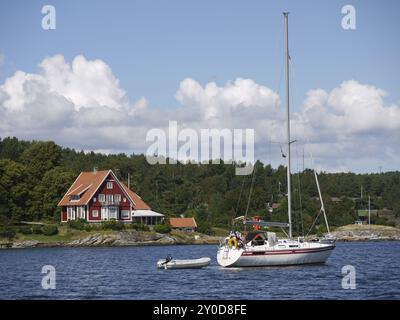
152, 46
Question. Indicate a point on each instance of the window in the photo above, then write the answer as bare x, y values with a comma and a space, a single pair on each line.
80, 211
109, 185
70, 213
104, 213
109, 198
112, 212
94, 199
75, 197
102, 197
124, 199
95, 213
125, 214
117, 198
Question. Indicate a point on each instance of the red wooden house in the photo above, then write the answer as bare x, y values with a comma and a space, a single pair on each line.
99, 196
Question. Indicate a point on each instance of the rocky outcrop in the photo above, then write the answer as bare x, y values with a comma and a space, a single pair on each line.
366, 232
122, 238
25, 244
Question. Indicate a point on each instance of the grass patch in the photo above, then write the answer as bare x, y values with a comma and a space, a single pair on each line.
43, 238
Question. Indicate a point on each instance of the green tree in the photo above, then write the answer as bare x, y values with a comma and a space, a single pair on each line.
47, 194
14, 190
40, 157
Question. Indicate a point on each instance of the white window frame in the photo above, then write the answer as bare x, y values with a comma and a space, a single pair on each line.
102, 197
109, 198
113, 213
95, 213
80, 212
70, 213
109, 184
117, 197
125, 214
104, 213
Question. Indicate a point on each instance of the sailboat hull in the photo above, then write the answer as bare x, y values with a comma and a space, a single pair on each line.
258, 257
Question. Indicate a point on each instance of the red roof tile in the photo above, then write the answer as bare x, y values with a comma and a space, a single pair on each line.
139, 204
182, 223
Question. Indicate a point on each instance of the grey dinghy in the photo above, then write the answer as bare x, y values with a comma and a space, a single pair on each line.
183, 264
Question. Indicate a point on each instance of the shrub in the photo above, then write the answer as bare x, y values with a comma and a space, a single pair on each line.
384, 222
25, 230
112, 225
205, 228
37, 229
79, 224
50, 230
88, 227
7, 232
139, 227
162, 228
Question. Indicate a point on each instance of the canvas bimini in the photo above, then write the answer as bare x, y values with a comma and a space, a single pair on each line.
260, 248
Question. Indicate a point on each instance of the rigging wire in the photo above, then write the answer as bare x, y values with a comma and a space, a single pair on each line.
312, 226
300, 200
251, 191
238, 202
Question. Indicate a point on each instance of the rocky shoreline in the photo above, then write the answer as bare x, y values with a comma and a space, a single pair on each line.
141, 238
366, 233
119, 238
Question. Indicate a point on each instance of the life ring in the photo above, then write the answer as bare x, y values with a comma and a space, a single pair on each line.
233, 243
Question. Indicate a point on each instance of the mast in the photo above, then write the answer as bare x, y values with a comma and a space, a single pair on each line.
322, 202
286, 14
369, 209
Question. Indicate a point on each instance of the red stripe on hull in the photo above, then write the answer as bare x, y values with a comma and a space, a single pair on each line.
275, 252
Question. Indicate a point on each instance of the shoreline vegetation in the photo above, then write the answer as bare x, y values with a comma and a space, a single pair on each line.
113, 238
34, 176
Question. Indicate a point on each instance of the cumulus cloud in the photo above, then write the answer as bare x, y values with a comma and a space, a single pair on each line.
81, 104
350, 126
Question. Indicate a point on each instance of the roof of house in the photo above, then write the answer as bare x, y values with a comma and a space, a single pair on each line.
146, 213
183, 223
86, 182
86, 185
139, 204
364, 213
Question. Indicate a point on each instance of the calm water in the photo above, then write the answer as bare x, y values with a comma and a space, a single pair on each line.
131, 273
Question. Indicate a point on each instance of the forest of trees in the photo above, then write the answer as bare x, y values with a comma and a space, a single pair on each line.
34, 175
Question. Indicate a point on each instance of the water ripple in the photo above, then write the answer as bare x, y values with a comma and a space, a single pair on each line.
131, 273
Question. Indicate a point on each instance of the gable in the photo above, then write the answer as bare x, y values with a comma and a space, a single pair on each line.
90, 184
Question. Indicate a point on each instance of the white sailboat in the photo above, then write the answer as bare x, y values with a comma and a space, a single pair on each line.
260, 248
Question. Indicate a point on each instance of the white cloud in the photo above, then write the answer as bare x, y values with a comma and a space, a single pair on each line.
82, 105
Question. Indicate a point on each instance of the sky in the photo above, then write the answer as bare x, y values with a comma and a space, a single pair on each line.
113, 70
